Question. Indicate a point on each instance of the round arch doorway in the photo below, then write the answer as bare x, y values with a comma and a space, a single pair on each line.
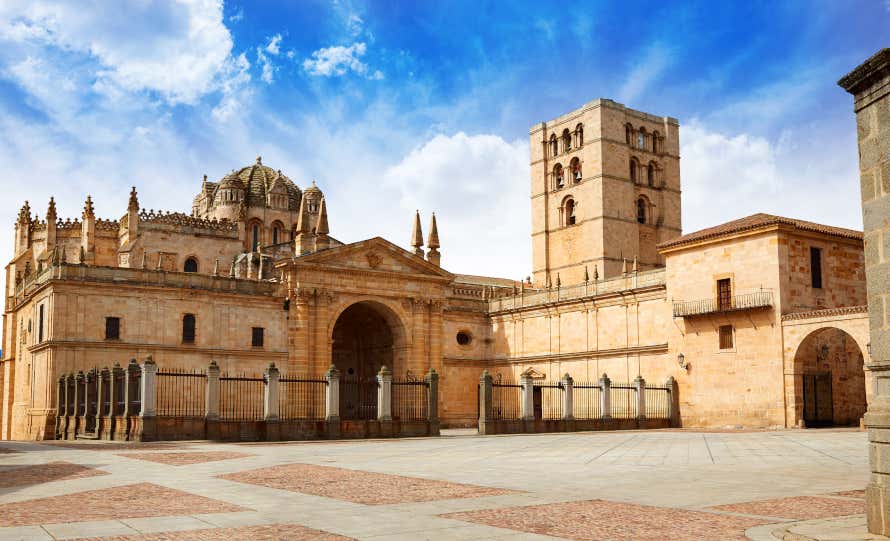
367, 336
830, 379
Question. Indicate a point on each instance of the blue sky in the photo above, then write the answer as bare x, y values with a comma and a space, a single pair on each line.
393, 106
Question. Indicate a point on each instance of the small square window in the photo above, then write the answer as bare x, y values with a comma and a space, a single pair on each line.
112, 328
726, 337
257, 337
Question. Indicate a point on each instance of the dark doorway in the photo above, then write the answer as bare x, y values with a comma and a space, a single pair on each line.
817, 401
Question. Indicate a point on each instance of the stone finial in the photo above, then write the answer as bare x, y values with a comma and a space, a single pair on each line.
623, 266
204, 182
586, 276
133, 205
25, 214
417, 235
216, 267
558, 281
259, 160
634, 269
51, 212
596, 273
322, 226
82, 258
303, 225
432, 241
384, 371
63, 258
89, 213
232, 269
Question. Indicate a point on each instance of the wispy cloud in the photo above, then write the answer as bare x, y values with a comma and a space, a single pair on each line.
237, 16
263, 54
273, 46
339, 60
645, 71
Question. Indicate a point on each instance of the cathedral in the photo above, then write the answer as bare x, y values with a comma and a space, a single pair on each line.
761, 321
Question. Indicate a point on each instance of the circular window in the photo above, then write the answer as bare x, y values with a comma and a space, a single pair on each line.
464, 338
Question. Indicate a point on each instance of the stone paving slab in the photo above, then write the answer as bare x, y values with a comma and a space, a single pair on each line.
800, 507
184, 458
273, 532
17, 476
359, 486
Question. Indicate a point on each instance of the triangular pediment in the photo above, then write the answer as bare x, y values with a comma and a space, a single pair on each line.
375, 254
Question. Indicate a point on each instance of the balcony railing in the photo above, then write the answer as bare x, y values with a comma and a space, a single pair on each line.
746, 301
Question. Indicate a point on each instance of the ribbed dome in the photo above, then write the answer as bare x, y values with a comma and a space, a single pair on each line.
312, 189
258, 180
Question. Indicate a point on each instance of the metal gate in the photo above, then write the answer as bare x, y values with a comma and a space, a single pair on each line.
358, 398
817, 401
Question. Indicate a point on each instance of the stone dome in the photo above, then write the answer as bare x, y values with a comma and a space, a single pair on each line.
258, 179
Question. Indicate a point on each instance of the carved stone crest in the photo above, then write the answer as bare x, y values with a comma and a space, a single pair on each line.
374, 259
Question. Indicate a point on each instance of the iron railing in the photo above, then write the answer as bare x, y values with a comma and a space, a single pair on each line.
547, 400
623, 401
358, 398
586, 400
181, 393
301, 398
505, 401
658, 402
745, 301
410, 399
241, 397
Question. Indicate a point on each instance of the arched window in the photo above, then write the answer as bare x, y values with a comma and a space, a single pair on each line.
255, 237
655, 141
191, 265
188, 329
641, 138
650, 174
277, 232
568, 212
579, 133
641, 210
628, 133
554, 146
558, 176
633, 170
576, 170
566, 140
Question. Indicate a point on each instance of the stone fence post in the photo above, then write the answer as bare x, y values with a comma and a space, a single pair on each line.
605, 398
567, 397
527, 397
79, 398
673, 401
485, 403
130, 388
211, 397
432, 407
149, 388
102, 395
640, 386
332, 395
61, 400
384, 394
270, 396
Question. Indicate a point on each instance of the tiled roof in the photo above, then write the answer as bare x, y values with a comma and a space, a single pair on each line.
484, 280
757, 221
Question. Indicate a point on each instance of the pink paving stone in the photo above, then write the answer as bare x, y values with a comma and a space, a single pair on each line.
799, 507
850, 494
18, 476
186, 458
359, 486
116, 446
272, 532
129, 501
602, 520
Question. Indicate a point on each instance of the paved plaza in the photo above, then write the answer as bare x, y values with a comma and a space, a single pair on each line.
632, 485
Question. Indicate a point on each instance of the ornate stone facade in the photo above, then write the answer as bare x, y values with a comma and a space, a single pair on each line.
254, 276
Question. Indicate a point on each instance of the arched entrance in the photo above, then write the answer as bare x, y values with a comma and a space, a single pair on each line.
366, 336
830, 379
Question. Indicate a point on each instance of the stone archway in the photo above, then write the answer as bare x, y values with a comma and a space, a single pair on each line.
366, 336
830, 384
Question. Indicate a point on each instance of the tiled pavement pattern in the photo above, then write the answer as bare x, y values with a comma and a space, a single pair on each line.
684, 475
184, 459
850, 494
359, 486
132, 501
16, 476
273, 532
595, 520
117, 446
800, 507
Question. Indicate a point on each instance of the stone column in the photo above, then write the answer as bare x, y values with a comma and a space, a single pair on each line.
527, 397
605, 398
149, 388
211, 397
567, 392
870, 85
384, 394
485, 419
640, 388
432, 408
332, 395
270, 397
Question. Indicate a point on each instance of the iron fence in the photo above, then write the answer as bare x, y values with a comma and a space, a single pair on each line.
745, 301
181, 393
505, 401
358, 398
658, 402
547, 400
587, 400
301, 398
118, 391
241, 397
623, 400
410, 399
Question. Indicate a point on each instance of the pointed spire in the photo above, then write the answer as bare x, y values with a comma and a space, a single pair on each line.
586, 276
417, 235
623, 265
55, 256
133, 205
82, 258
635, 264
432, 241
596, 273
216, 267
322, 226
64, 257
51, 212
547, 283
203, 183
558, 281
88, 211
303, 218
25, 214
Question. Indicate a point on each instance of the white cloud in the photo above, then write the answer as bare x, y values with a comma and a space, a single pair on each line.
646, 71
237, 16
177, 49
338, 60
478, 187
354, 24
235, 89
274, 43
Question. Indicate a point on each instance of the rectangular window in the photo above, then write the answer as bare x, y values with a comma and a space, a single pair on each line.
816, 267
726, 337
188, 329
112, 328
724, 294
40, 325
257, 337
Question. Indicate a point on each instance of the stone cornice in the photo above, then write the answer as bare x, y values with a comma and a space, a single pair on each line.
123, 345
865, 74
827, 312
577, 355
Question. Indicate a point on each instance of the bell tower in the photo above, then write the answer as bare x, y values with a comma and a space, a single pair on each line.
605, 188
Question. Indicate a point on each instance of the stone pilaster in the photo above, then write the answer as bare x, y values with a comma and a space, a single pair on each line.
870, 85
